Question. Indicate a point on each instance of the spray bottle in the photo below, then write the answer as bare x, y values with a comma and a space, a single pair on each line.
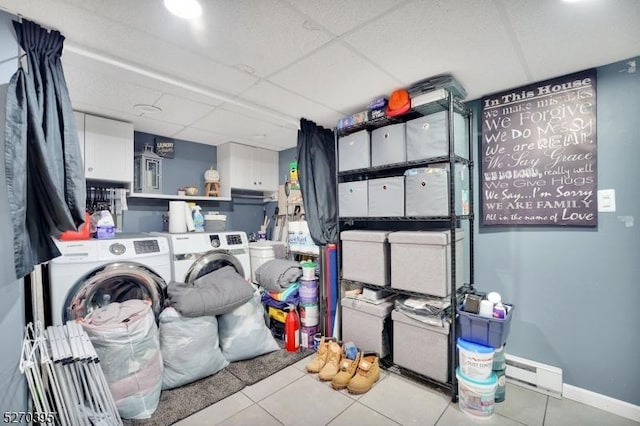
198, 219
292, 330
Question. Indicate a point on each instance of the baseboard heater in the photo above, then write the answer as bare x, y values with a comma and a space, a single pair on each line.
534, 375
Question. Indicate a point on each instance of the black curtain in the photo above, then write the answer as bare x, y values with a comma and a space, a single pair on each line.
317, 177
44, 172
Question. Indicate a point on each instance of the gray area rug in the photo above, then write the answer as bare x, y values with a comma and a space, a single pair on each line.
253, 370
179, 403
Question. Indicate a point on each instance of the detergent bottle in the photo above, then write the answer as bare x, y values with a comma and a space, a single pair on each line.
292, 330
198, 219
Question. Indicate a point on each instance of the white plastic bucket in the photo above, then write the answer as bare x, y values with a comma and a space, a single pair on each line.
476, 397
476, 360
308, 270
259, 253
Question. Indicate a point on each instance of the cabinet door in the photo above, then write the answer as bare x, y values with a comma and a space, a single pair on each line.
242, 173
266, 169
79, 118
108, 149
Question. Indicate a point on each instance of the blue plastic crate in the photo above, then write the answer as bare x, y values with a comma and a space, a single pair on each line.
485, 331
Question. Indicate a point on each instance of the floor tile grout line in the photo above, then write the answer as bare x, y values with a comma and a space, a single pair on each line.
246, 408
450, 404
278, 389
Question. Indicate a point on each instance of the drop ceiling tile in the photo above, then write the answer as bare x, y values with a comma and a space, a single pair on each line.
106, 92
566, 42
279, 139
201, 136
104, 112
342, 16
261, 113
155, 127
91, 67
465, 38
180, 110
237, 125
292, 104
337, 77
140, 123
264, 34
106, 36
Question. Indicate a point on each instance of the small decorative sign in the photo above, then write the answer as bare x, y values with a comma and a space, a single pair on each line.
164, 147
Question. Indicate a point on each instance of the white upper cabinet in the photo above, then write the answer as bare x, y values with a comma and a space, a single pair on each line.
247, 168
79, 118
108, 149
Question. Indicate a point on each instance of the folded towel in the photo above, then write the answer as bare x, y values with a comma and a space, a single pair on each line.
277, 275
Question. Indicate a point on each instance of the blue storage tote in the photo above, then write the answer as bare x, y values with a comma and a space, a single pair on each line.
492, 332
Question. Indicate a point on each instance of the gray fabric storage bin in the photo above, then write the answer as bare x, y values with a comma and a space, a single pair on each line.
427, 190
421, 347
386, 197
428, 136
354, 151
365, 324
421, 261
353, 199
365, 256
388, 145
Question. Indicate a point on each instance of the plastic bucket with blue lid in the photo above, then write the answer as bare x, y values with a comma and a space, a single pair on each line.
476, 361
476, 397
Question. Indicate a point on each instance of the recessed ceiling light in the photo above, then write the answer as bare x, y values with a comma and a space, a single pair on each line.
187, 9
147, 109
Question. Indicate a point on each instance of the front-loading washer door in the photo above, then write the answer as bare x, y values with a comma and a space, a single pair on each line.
211, 261
114, 282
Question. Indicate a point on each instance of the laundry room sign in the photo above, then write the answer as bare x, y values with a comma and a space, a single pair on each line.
164, 147
538, 154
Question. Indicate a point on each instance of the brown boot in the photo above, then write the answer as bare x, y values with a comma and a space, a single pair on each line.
367, 374
316, 364
348, 368
332, 365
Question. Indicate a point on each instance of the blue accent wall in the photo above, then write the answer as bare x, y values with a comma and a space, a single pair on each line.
185, 169
576, 291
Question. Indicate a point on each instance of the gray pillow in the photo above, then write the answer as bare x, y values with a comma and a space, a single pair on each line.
215, 293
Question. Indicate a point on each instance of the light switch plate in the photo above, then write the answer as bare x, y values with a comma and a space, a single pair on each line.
607, 200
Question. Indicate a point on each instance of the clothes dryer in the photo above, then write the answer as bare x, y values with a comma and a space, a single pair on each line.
93, 273
198, 253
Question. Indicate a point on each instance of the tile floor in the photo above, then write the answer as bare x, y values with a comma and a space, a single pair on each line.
294, 397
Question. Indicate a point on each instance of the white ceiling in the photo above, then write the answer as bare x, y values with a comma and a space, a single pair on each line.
247, 70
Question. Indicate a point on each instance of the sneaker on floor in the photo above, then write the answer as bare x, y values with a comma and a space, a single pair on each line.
332, 365
348, 369
367, 374
316, 364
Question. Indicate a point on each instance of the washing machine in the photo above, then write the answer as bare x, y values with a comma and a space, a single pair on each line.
93, 273
198, 253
